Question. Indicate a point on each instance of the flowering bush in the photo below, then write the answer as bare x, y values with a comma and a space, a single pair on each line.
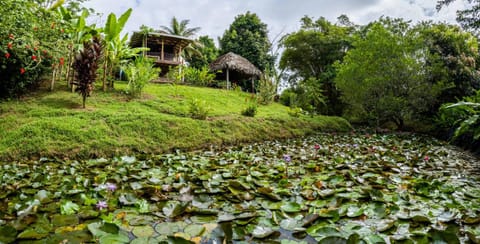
30, 43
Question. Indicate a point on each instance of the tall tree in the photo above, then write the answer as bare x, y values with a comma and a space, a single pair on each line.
383, 78
248, 37
468, 18
145, 31
452, 55
181, 29
208, 52
309, 56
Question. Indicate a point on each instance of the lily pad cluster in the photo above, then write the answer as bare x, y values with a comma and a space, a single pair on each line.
327, 188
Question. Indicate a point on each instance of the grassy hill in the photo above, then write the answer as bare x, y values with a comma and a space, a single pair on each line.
53, 124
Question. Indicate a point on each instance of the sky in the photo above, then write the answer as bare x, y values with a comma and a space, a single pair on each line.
281, 16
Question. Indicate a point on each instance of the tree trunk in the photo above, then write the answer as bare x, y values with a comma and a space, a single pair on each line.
84, 99
69, 65
52, 84
104, 84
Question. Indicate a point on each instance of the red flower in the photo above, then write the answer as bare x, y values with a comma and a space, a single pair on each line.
7, 55
22, 70
35, 49
317, 146
45, 52
10, 45
426, 158
11, 36
62, 61
34, 58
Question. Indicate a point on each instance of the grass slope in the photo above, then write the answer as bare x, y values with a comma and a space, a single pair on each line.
52, 124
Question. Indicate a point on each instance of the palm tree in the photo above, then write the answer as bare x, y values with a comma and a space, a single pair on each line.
181, 29
145, 30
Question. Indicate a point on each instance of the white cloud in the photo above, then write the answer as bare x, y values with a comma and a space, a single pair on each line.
214, 17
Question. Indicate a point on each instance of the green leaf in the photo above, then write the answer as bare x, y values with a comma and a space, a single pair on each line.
7, 234
143, 231
114, 239
173, 209
291, 207
333, 240
69, 208
262, 232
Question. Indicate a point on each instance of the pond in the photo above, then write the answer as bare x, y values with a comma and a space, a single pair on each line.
328, 188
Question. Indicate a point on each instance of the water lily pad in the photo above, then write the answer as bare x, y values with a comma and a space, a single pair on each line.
385, 224
291, 207
64, 220
143, 231
333, 240
33, 233
173, 209
194, 230
354, 211
7, 234
167, 228
145, 240
114, 239
262, 232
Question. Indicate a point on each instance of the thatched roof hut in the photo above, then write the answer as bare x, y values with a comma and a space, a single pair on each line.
237, 63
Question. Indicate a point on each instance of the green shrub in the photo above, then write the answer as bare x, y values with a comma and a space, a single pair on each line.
250, 110
198, 77
198, 109
139, 73
266, 90
295, 112
288, 97
463, 116
31, 41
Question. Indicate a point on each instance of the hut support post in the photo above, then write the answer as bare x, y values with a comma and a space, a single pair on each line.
162, 54
228, 79
253, 85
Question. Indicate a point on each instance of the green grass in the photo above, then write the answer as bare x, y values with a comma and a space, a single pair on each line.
53, 124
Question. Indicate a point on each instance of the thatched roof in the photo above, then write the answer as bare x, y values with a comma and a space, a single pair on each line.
232, 61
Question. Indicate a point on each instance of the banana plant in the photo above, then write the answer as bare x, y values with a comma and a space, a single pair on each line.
78, 32
113, 43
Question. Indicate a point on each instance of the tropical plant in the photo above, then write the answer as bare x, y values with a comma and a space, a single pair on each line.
198, 109
181, 29
139, 73
199, 77
31, 42
267, 89
250, 110
145, 30
114, 45
86, 65
464, 118
77, 32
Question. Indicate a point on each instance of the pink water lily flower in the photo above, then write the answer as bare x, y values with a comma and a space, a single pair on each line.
102, 205
111, 186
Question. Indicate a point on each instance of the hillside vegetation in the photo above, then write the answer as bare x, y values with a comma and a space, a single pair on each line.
53, 124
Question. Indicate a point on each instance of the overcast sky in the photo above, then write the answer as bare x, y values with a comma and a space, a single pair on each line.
281, 16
